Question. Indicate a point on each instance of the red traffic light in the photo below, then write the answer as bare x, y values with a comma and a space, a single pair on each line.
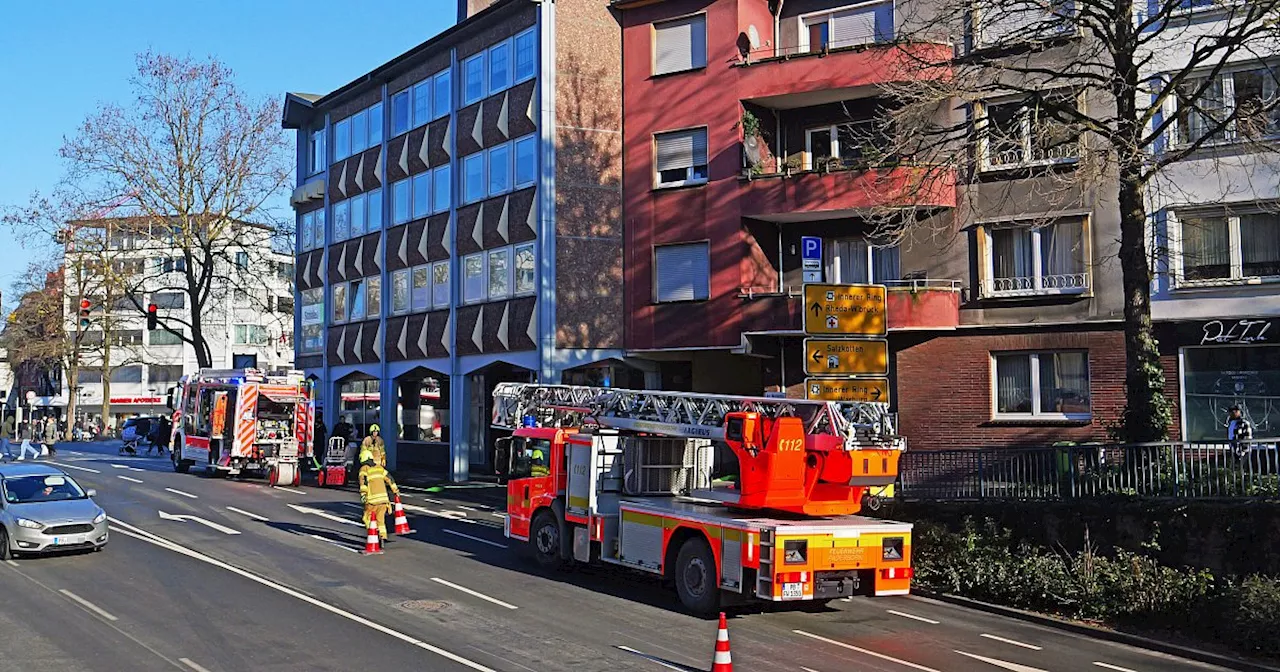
152, 321
151, 308
85, 304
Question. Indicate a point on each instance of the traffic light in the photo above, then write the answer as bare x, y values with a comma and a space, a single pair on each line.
151, 317
85, 306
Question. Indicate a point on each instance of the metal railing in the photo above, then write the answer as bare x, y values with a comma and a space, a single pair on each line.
1063, 283
1157, 470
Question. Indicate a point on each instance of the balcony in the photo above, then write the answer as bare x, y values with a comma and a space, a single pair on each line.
845, 192
911, 304
800, 79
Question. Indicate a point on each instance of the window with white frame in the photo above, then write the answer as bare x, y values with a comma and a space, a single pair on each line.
1018, 133
473, 178
440, 290
499, 67
473, 278
473, 79
682, 272
499, 169
680, 45
526, 161
401, 202
1051, 385
1205, 104
526, 48
1030, 260
422, 112
1221, 248
851, 143
1008, 22
681, 157
420, 291
401, 112
421, 195
441, 94
315, 151
849, 27
251, 334
858, 261
525, 269
400, 291
373, 298
441, 188
499, 264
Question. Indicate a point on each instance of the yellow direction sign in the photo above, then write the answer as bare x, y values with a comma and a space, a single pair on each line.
847, 389
845, 356
844, 309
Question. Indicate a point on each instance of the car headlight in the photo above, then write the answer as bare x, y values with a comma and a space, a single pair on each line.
30, 524
102, 515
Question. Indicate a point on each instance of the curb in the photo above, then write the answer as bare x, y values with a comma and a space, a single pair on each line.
1095, 632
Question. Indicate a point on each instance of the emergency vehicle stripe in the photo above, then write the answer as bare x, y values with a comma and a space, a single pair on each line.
246, 420
641, 519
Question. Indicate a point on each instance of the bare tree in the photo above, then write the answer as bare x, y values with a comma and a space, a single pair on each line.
1062, 105
200, 162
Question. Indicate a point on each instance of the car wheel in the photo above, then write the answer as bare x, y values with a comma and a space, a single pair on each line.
4, 544
544, 540
695, 577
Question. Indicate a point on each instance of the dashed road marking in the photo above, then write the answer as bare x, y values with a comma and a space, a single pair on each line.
1109, 666
184, 494
126, 478
11, 563
500, 515
1012, 667
88, 605
192, 665
72, 466
866, 652
467, 508
251, 515
335, 543
474, 593
296, 492
125, 466
1014, 642
912, 616
467, 536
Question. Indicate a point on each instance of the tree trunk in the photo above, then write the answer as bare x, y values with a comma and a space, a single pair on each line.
203, 357
1146, 414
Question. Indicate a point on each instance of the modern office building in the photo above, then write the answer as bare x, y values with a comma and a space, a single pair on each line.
459, 219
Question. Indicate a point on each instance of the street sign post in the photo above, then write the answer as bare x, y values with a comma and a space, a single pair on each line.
811, 258
845, 310
846, 356
848, 389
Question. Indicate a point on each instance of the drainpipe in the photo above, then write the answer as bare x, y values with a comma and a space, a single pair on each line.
777, 27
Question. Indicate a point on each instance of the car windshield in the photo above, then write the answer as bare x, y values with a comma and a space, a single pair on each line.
32, 489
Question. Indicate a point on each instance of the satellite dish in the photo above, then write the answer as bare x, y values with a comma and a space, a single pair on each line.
753, 36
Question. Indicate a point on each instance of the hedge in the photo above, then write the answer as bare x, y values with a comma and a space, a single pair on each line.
1123, 589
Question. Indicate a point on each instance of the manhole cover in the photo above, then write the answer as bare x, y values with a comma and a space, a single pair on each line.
424, 605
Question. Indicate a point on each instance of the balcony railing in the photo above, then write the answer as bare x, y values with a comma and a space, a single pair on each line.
1067, 283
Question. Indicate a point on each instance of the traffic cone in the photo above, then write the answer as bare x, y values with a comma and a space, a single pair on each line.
402, 522
372, 544
723, 662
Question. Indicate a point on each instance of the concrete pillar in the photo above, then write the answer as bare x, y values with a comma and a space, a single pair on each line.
459, 428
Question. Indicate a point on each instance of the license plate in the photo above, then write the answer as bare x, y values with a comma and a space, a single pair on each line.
67, 541
792, 590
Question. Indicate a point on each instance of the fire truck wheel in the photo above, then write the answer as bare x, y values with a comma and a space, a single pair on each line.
544, 540
695, 577
179, 465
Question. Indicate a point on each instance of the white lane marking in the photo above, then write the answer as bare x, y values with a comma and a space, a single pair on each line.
184, 494
11, 563
72, 466
123, 466
296, 492
88, 605
868, 652
335, 543
192, 665
467, 508
126, 478
474, 593
184, 518
325, 514
251, 515
451, 515
467, 536
652, 659
1014, 642
129, 530
500, 515
1012, 667
414, 488
807, 669
1109, 666
912, 616
352, 505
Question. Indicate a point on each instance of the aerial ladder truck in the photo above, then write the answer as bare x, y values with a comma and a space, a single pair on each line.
625, 477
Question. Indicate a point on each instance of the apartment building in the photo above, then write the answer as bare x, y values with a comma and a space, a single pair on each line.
750, 125
459, 219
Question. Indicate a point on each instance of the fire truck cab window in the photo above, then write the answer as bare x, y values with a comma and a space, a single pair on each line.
530, 457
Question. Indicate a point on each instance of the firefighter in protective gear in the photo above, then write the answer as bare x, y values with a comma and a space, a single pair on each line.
373, 447
538, 465
374, 483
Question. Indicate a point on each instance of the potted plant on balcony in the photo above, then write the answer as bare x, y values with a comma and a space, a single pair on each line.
791, 165
752, 146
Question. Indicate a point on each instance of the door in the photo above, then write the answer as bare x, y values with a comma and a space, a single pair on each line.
532, 484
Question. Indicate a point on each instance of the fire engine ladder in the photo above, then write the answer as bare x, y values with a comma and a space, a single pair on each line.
686, 414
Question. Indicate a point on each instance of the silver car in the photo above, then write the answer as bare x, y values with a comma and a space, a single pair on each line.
43, 509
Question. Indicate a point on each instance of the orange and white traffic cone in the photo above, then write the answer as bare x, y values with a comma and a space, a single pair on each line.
402, 521
723, 662
372, 544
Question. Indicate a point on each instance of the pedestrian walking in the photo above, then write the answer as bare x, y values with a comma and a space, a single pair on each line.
6, 433
374, 482
28, 433
1239, 430
51, 435
373, 446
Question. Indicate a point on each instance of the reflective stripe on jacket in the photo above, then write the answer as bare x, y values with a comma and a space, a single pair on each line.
374, 482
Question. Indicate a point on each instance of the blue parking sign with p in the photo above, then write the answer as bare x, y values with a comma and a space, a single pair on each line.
811, 253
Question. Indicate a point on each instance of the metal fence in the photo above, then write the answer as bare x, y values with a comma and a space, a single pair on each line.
1181, 470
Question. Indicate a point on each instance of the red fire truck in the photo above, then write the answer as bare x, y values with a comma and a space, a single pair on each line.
625, 477
235, 421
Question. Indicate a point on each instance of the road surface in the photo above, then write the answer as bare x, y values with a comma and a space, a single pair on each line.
214, 574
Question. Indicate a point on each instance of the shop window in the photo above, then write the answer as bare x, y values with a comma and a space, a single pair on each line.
361, 404
1042, 385
1214, 378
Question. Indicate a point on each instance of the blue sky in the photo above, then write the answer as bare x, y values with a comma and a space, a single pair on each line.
59, 60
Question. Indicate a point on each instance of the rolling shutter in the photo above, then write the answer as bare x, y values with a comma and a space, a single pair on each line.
680, 45
681, 149
853, 27
683, 272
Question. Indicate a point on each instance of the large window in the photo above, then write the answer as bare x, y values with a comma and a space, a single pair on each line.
1042, 384
857, 261
473, 182
421, 195
499, 67
525, 269
359, 215
499, 170
422, 112
1215, 378
373, 288
163, 337
169, 299
251, 334
852, 143
1026, 133
864, 24
310, 230
473, 79
441, 188
499, 274
421, 289
1205, 103
164, 373
400, 291
1222, 248
401, 201
312, 317
682, 272
1025, 260
401, 113
360, 403
127, 374
441, 96
440, 291
526, 161
358, 132
1006, 22
526, 47
473, 289
681, 157
680, 45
